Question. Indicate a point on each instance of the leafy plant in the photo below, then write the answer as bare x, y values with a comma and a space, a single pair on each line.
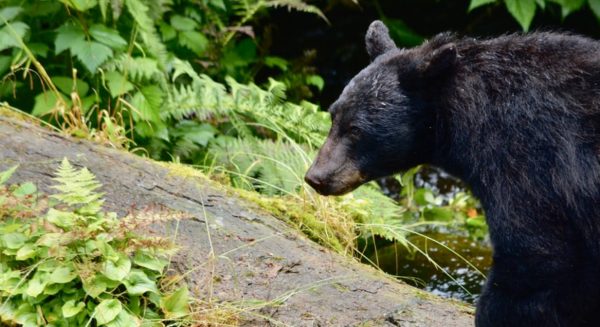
66, 262
524, 10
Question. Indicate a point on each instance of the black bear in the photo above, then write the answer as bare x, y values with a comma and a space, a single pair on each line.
518, 119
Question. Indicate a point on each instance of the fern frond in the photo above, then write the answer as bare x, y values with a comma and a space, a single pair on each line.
296, 5
138, 69
142, 16
78, 189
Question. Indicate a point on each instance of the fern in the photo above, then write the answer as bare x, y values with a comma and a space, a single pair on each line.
138, 69
264, 165
78, 189
142, 16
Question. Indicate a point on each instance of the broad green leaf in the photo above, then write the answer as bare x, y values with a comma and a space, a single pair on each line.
118, 269
117, 83
9, 13
108, 36
5, 175
36, 285
569, 6
401, 33
65, 84
62, 219
62, 275
25, 189
26, 315
181, 23
194, 41
149, 261
12, 35
272, 61
92, 54
68, 36
38, 49
107, 310
47, 101
138, 283
595, 7
81, 5
220, 4
176, 305
50, 239
124, 319
27, 251
522, 10
94, 286
13, 240
315, 80
9, 280
70, 308
478, 3
167, 31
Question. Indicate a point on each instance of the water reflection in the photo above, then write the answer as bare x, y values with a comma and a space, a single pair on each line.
453, 278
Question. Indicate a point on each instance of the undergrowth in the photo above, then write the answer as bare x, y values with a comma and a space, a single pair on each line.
67, 262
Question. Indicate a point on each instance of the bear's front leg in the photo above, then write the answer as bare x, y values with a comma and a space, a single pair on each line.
549, 301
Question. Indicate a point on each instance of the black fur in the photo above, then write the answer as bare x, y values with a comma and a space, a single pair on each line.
517, 118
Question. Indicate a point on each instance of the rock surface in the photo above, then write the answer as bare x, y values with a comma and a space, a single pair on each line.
231, 250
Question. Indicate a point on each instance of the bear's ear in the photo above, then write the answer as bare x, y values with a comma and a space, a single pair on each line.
440, 60
378, 40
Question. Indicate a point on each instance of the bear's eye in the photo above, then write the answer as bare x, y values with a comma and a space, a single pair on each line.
354, 131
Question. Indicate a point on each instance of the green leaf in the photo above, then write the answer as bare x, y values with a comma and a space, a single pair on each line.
569, 6
108, 36
138, 283
107, 310
68, 35
28, 251
124, 319
181, 23
36, 285
92, 54
65, 84
81, 5
25, 189
281, 63
62, 219
5, 175
194, 41
522, 10
149, 261
167, 31
478, 3
118, 269
13, 240
117, 83
38, 49
12, 35
176, 305
401, 33
9, 13
95, 286
219, 4
315, 80
46, 102
595, 7
70, 309
62, 275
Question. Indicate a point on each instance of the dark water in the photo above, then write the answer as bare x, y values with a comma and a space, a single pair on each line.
450, 276
454, 267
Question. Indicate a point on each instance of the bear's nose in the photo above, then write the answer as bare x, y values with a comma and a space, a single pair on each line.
313, 179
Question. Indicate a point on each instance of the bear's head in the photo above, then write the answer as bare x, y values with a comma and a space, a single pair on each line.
383, 122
